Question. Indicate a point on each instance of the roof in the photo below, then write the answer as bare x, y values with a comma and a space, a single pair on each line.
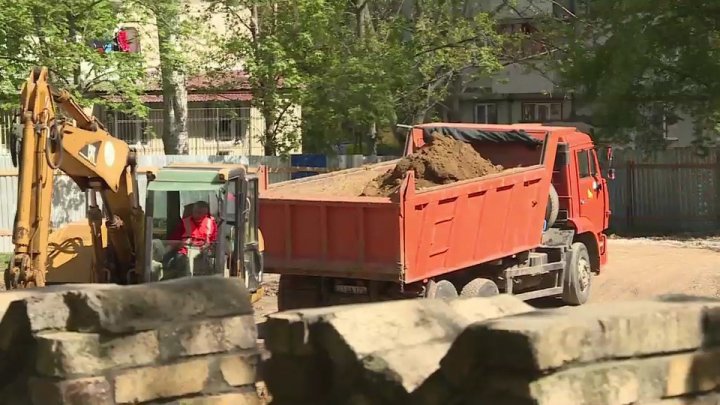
186, 180
224, 86
570, 135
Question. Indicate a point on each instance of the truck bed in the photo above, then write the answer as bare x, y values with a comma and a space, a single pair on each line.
320, 226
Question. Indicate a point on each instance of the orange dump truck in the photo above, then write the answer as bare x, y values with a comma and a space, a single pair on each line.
534, 230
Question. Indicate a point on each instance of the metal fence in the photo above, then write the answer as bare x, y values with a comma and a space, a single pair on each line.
672, 191
212, 130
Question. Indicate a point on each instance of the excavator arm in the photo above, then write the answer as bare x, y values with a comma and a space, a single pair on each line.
77, 145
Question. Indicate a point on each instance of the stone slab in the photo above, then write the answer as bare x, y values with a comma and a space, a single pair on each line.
606, 383
151, 305
209, 336
62, 354
84, 391
550, 339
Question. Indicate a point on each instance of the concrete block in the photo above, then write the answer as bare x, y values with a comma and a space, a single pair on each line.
606, 383
483, 308
239, 369
234, 398
84, 391
288, 332
148, 306
208, 336
703, 399
550, 339
151, 383
62, 354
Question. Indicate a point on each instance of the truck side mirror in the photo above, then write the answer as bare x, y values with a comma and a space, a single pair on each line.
611, 174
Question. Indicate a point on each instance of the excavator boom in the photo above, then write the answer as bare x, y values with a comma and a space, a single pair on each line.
77, 145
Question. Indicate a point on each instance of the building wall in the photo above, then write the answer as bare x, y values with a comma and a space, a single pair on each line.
200, 46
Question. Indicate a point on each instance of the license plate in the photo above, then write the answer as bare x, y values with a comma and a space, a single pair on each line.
351, 289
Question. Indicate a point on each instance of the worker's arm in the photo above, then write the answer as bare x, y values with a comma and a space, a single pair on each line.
214, 231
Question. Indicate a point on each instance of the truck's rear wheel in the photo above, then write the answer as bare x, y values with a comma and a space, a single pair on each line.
480, 287
440, 289
578, 278
553, 207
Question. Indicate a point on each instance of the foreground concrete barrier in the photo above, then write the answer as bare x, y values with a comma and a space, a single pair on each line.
497, 351
188, 341
372, 353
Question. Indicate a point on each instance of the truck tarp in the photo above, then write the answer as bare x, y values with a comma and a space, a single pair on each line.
474, 135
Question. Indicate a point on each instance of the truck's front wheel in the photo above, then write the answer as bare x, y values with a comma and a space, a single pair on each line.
578, 277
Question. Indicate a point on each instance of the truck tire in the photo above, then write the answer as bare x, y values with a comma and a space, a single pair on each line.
553, 207
480, 287
578, 277
440, 289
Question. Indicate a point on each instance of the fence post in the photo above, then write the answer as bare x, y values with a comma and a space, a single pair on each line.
630, 190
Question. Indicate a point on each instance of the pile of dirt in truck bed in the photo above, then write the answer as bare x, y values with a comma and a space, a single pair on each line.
444, 160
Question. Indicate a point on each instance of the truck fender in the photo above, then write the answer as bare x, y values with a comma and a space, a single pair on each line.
591, 242
581, 225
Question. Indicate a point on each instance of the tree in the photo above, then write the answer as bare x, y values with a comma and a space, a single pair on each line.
639, 66
170, 28
58, 35
258, 38
389, 62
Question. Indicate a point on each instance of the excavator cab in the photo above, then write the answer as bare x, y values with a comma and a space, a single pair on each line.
202, 220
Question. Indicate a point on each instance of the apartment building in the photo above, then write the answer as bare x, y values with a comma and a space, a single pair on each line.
219, 121
528, 92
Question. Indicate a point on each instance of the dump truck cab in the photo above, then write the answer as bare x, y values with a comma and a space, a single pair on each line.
228, 197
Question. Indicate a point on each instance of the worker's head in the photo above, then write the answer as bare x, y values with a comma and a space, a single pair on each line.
201, 209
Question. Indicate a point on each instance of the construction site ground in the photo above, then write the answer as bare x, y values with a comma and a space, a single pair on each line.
638, 268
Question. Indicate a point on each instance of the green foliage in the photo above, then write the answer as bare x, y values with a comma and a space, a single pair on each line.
57, 34
643, 64
353, 65
386, 65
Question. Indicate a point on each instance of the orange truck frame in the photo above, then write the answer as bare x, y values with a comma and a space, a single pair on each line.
536, 230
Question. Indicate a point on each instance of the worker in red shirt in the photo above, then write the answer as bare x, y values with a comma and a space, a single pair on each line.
199, 230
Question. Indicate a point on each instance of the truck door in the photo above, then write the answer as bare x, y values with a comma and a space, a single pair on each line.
591, 189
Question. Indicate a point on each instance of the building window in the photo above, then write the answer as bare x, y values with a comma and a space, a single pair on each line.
486, 113
541, 112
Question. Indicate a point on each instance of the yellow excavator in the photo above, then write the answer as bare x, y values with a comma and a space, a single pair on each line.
132, 244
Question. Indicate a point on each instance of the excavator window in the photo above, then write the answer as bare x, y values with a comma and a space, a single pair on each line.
188, 232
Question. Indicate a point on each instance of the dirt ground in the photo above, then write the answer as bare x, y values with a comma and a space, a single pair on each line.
638, 268
643, 268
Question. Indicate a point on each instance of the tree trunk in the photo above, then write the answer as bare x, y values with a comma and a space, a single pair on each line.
175, 109
269, 134
363, 23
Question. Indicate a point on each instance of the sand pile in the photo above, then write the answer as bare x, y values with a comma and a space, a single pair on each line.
442, 161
